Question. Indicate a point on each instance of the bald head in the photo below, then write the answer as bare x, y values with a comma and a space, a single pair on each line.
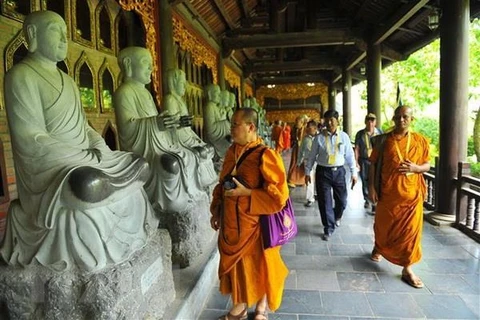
248, 115
46, 35
131, 53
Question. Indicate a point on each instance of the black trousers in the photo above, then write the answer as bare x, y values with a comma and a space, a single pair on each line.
328, 179
364, 169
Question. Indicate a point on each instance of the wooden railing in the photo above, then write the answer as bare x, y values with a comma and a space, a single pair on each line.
467, 215
467, 211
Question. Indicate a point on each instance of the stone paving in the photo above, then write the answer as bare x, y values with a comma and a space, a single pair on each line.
337, 280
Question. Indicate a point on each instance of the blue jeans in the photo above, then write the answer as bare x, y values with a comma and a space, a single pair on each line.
328, 179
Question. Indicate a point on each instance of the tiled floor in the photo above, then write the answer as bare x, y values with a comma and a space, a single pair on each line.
337, 280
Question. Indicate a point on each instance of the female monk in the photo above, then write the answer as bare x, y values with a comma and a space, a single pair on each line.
247, 271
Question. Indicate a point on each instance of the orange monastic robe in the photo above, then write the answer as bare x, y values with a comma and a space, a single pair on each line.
246, 270
399, 215
277, 137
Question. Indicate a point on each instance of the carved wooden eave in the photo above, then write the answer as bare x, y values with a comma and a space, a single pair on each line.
248, 90
148, 10
293, 91
290, 115
188, 41
231, 77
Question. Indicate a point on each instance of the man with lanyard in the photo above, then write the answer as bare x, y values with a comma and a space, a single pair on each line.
363, 149
331, 150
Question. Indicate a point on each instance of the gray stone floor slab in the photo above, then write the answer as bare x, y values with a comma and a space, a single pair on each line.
394, 305
444, 307
336, 280
359, 281
346, 304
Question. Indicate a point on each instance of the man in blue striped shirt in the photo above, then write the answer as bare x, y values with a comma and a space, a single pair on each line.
331, 149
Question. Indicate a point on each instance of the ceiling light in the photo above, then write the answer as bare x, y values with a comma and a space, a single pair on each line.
433, 20
363, 69
270, 86
310, 84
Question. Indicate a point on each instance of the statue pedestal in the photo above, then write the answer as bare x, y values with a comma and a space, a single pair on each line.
190, 231
139, 288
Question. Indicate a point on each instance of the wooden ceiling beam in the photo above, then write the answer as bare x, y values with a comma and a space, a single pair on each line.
224, 14
196, 16
292, 66
244, 8
286, 80
397, 20
291, 39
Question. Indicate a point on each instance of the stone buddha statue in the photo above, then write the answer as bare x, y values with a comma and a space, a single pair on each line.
174, 105
216, 125
175, 180
232, 105
79, 203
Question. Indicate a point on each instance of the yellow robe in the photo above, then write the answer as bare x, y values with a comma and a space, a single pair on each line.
246, 270
399, 214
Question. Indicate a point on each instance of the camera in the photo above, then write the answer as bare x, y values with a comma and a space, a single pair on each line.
228, 183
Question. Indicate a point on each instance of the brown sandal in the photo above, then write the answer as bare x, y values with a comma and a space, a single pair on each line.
261, 315
241, 316
375, 256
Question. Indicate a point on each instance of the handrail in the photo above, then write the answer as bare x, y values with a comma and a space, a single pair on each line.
467, 209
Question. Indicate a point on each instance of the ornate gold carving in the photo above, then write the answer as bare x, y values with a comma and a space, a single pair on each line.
12, 47
105, 97
290, 115
248, 90
9, 9
76, 33
100, 44
188, 41
89, 96
148, 11
293, 91
231, 77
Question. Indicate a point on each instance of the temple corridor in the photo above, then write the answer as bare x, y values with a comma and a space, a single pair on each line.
337, 280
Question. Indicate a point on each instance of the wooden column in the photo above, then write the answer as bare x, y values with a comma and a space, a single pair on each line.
374, 69
332, 94
347, 101
166, 38
454, 26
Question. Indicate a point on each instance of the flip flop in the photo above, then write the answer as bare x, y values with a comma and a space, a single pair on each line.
261, 315
241, 316
416, 283
375, 256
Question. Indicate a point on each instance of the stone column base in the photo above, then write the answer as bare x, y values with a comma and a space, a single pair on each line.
440, 219
139, 288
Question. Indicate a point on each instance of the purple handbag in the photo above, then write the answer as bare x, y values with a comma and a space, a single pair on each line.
278, 228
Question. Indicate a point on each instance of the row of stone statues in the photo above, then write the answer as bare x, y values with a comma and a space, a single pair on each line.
80, 203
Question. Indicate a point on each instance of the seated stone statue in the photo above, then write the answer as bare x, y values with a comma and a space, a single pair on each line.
80, 204
142, 130
174, 105
232, 105
216, 125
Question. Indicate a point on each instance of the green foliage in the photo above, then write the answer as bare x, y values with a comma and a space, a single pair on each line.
470, 147
428, 127
87, 96
107, 100
475, 169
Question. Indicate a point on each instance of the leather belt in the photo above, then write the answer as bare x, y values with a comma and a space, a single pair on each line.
329, 168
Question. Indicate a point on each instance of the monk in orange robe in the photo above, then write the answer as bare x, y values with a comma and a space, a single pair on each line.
277, 136
287, 136
403, 156
247, 271
296, 174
